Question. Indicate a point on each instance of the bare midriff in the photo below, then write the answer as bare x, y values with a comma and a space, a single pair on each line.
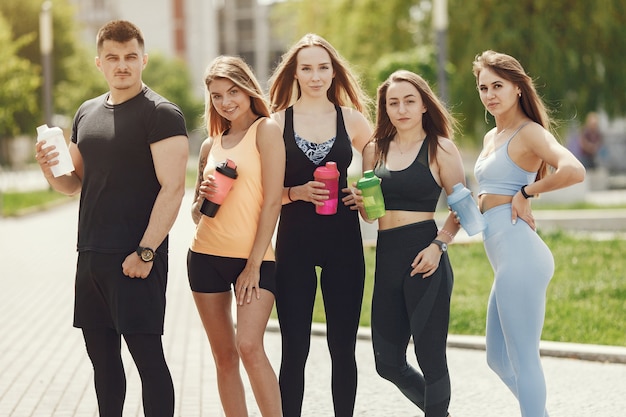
489, 201
397, 218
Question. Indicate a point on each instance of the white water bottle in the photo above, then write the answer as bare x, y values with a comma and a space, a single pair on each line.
54, 136
461, 202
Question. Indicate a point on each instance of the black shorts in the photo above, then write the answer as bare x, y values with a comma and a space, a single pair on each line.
211, 274
106, 298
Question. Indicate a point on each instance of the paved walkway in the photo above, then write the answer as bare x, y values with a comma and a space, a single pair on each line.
44, 370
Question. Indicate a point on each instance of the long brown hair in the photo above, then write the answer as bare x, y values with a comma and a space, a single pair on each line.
436, 121
236, 70
510, 69
345, 88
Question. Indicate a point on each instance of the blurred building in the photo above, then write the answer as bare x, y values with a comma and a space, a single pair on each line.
194, 30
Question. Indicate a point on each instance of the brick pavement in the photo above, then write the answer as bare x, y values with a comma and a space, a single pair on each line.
44, 370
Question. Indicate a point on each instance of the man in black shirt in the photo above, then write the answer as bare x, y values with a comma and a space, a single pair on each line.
129, 148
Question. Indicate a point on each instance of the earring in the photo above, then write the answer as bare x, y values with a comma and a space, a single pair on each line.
486, 121
519, 95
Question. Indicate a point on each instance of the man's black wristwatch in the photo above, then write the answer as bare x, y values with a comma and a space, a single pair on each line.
443, 246
146, 254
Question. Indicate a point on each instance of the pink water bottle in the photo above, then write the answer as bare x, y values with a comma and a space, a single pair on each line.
329, 175
225, 174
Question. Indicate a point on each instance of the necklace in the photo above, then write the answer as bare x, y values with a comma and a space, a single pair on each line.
508, 128
409, 147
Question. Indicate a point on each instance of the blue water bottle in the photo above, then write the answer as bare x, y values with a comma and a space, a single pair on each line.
461, 202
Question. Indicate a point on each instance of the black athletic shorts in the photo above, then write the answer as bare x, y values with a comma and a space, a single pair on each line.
105, 297
212, 274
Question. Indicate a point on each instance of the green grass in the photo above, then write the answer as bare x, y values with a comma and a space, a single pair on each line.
16, 203
582, 205
586, 297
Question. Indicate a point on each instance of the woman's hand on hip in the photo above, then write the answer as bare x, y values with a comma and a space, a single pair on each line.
521, 209
427, 261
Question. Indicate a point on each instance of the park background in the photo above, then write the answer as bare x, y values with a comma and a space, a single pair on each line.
575, 51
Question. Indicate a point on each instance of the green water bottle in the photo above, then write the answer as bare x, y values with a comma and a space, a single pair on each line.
373, 200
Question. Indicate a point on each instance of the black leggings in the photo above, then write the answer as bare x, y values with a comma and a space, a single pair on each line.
405, 307
104, 350
342, 277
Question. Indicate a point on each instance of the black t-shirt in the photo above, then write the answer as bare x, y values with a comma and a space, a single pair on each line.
119, 182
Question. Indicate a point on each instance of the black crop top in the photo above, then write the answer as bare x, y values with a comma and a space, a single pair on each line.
411, 189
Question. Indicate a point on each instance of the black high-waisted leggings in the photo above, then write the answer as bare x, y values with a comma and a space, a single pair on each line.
334, 244
405, 307
104, 350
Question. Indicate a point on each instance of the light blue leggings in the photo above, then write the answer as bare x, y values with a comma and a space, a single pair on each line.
523, 266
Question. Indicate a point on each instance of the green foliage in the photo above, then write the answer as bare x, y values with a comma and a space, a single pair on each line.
18, 80
171, 79
363, 31
23, 19
80, 70
575, 51
418, 60
76, 77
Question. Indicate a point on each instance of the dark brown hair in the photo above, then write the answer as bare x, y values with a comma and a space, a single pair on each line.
119, 31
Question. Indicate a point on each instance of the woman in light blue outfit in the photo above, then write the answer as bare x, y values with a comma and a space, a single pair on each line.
511, 169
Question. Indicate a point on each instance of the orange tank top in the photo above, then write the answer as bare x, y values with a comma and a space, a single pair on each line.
232, 231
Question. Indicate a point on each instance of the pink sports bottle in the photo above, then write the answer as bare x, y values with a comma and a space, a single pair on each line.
225, 174
329, 175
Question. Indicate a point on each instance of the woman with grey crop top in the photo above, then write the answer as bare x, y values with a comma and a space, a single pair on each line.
511, 169
318, 103
412, 153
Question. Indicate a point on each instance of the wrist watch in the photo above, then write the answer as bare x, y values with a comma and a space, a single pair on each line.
524, 193
443, 246
146, 254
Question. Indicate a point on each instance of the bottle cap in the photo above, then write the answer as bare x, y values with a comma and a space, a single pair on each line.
459, 191
328, 171
228, 168
369, 179
41, 129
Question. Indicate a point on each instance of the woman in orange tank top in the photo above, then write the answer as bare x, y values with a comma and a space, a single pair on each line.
233, 248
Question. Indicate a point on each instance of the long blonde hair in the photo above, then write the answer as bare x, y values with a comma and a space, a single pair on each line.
511, 70
236, 70
345, 88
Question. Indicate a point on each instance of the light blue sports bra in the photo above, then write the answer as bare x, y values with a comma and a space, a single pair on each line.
498, 174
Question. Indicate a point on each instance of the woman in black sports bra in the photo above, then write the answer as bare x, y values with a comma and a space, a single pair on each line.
318, 127
413, 156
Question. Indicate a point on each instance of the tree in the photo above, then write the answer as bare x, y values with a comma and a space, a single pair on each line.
171, 79
362, 31
18, 84
76, 78
575, 51
23, 19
